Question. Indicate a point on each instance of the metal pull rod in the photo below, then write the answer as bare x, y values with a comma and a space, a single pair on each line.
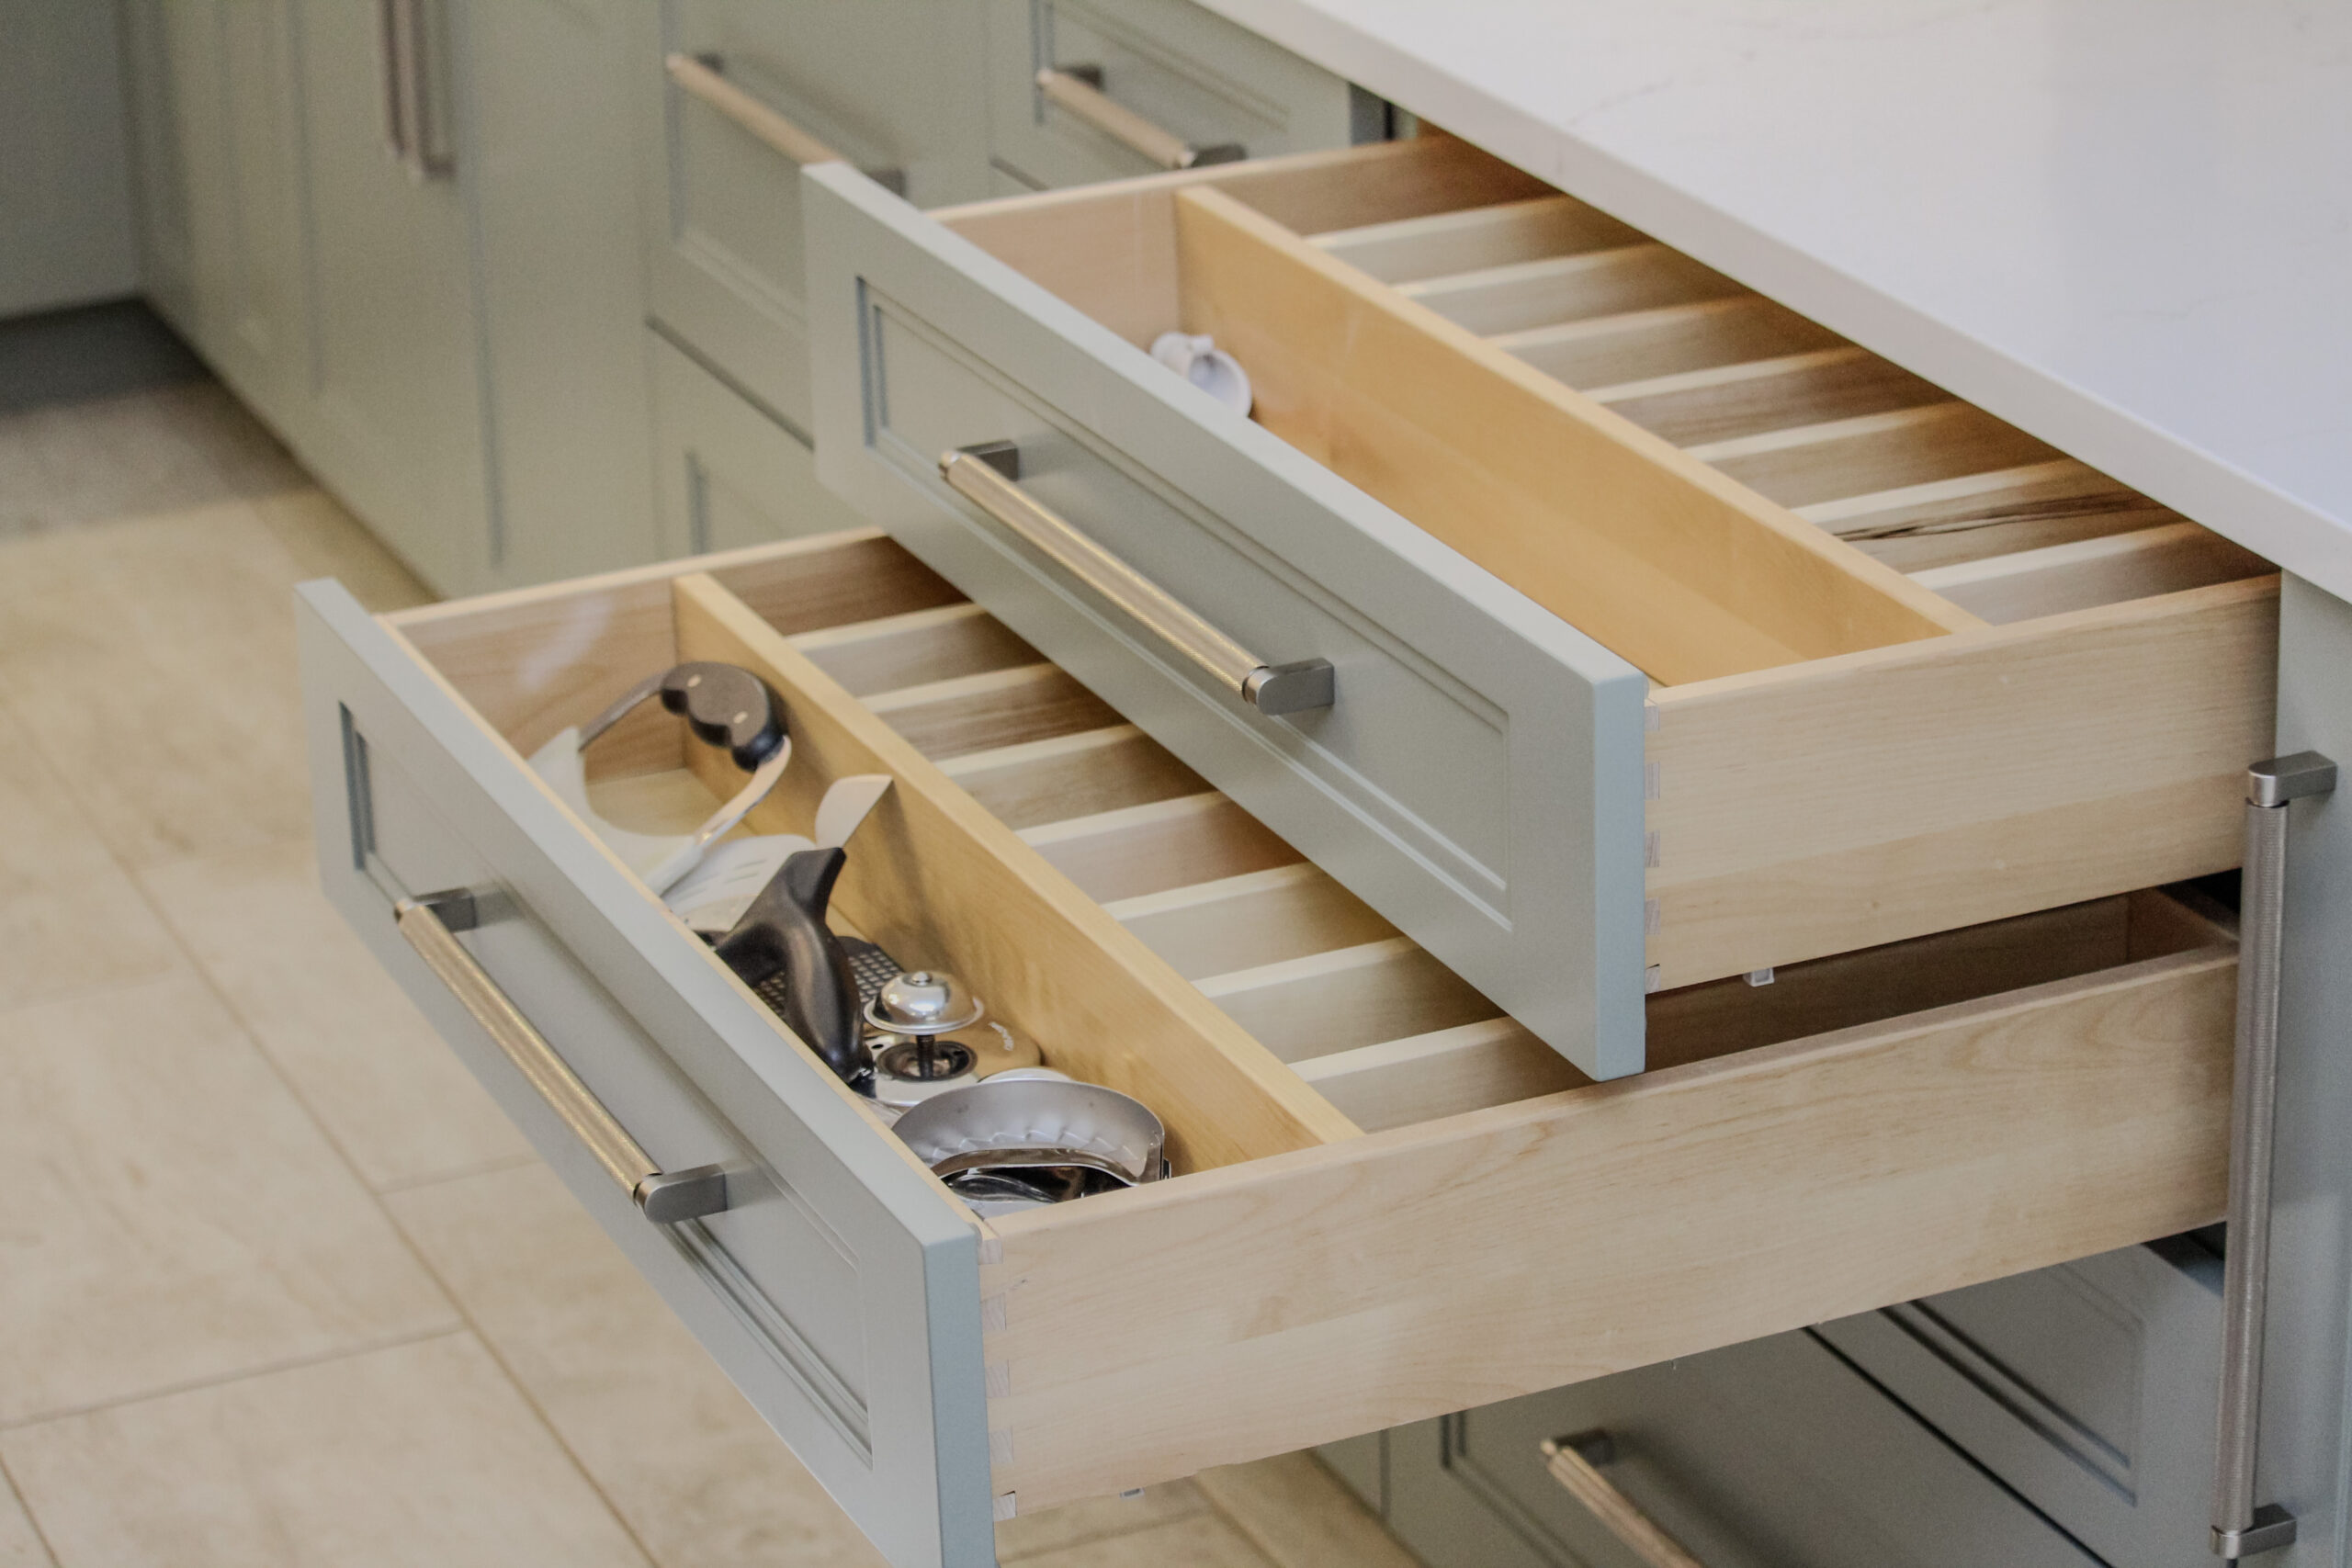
985, 476
665, 1197
410, 119
1077, 90
701, 76
1575, 1462
2240, 1528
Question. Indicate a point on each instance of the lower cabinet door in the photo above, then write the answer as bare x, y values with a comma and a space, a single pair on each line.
1772, 1454
730, 474
2090, 1388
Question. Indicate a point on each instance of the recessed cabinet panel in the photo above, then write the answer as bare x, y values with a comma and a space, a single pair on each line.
892, 88
218, 143
1774, 1454
730, 474
394, 389
2090, 1388
1196, 79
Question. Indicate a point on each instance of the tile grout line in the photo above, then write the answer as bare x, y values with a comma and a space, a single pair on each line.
458, 1173
522, 1392
25, 1506
266, 1369
456, 1304
466, 1322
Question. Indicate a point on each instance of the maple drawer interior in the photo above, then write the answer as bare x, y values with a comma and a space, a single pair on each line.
1913, 669
1366, 1150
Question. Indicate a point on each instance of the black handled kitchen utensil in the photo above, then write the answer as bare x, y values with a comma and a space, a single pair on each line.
723, 706
784, 937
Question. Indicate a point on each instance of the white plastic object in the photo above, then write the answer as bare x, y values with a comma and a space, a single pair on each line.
714, 894
1198, 359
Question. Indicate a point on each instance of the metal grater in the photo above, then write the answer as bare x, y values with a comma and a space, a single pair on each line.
868, 965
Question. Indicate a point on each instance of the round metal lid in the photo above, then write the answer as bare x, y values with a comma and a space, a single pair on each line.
923, 1002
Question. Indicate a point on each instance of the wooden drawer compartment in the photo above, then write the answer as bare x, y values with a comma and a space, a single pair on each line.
1391, 1201
1675, 639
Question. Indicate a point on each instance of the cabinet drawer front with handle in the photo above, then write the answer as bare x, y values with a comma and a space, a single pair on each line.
1081, 91
1869, 1129
1674, 638
813, 1285
750, 91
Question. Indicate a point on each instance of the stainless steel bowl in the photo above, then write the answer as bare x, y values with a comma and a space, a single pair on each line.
1006, 1144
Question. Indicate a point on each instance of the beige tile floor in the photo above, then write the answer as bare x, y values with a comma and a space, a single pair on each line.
278, 1284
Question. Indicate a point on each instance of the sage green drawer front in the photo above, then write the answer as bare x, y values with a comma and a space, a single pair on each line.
2090, 1388
1198, 78
1476, 777
730, 474
891, 86
1773, 1454
837, 1287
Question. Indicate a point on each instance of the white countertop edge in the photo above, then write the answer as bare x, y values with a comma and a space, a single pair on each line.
2199, 485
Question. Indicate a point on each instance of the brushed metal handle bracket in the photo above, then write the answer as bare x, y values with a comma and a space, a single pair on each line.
986, 475
1576, 1463
2240, 1528
430, 925
1077, 90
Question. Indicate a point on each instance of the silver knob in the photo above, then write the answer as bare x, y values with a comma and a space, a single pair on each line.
923, 1002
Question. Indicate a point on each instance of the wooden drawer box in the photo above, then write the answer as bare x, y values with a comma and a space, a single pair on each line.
1674, 638
1390, 1202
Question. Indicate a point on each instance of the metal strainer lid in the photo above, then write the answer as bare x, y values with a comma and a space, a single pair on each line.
923, 1002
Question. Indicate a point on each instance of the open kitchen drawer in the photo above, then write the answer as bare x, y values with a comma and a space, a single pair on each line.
1389, 1201
1671, 637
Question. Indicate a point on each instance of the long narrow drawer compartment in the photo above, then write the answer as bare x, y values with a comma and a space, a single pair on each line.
1673, 637
1390, 1200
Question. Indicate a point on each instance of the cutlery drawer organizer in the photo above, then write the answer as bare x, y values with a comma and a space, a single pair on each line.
1674, 636
1390, 1201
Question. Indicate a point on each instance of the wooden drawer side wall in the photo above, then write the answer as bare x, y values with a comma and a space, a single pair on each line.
932, 874
2060, 759
1517, 1250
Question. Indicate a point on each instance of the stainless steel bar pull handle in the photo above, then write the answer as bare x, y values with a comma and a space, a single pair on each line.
666, 1197
985, 476
1575, 1462
701, 75
412, 114
1078, 91
2239, 1526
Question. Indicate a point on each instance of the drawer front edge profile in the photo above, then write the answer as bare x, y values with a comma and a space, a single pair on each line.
908, 1461
1478, 778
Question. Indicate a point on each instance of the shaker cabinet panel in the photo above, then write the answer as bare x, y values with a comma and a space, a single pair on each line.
1139, 82
1772, 1454
2090, 1388
396, 415
217, 146
728, 474
746, 91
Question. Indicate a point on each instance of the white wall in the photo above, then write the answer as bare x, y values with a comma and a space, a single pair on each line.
66, 233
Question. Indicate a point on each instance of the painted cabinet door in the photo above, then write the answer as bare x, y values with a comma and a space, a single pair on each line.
894, 88
548, 172
217, 149
730, 474
396, 416
1771, 1454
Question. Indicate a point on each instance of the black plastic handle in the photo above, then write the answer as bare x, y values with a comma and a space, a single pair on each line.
784, 932
727, 705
